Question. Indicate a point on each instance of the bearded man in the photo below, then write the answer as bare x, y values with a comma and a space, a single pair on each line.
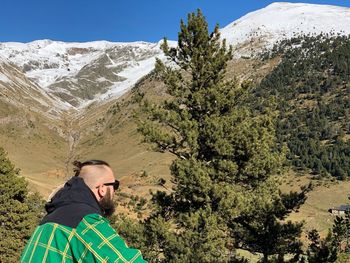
75, 228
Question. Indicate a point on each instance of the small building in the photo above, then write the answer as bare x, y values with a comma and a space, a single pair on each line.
339, 210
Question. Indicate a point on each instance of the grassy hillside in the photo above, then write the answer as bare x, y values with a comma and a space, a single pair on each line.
312, 87
326, 193
33, 146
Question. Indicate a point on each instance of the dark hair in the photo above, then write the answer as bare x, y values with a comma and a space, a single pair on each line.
78, 165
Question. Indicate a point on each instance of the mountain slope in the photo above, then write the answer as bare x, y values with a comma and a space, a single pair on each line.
312, 86
19, 90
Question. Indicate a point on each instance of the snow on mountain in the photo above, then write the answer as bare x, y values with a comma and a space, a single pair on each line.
4, 78
131, 75
46, 60
77, 74
16, 89
282, 20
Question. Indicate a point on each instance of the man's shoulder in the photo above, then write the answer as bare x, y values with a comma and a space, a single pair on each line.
92, 240
95, 226
96, 231
48, 243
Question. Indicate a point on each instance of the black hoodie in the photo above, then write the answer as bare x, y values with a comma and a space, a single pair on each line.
71, 203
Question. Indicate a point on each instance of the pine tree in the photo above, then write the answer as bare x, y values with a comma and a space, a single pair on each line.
341, 232
321, 250
265, 229
19, 211
225, 152
336, 246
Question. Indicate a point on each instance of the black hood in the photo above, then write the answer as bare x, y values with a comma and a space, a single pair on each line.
71, 203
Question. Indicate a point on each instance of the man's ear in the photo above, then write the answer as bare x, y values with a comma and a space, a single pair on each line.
101, 190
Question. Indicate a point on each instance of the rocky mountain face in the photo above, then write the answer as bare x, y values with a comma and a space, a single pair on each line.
78, 73
18, 90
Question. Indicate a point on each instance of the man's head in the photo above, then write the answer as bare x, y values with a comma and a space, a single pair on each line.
99, 177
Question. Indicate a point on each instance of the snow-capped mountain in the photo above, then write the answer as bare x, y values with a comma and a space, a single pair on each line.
283, 20
76, 74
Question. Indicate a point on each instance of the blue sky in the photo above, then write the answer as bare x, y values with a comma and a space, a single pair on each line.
116, 20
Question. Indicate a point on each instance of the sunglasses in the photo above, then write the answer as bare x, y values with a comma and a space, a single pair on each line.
115, 185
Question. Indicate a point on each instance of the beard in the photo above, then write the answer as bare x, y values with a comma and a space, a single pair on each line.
107, 204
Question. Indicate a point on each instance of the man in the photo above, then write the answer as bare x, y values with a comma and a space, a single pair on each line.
75, 228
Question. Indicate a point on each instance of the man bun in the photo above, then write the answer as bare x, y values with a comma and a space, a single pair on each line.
78, 165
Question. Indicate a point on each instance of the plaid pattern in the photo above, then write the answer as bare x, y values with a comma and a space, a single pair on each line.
94, 240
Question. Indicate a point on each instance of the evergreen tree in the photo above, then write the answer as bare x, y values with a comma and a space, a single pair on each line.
341, 232
321, 250
19, 211
336, 246
225, 154
264, 229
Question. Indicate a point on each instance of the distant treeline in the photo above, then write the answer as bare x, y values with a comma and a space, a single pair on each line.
312, 87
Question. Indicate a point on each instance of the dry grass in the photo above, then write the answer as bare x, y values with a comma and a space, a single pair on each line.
325, 194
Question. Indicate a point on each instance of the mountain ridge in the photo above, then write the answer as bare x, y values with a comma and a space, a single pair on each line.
284, 20
78, 74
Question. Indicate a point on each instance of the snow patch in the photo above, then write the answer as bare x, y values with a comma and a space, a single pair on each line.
102, 79
4, 78
132, 75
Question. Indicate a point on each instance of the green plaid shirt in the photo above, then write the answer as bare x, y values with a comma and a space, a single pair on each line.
94, 240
